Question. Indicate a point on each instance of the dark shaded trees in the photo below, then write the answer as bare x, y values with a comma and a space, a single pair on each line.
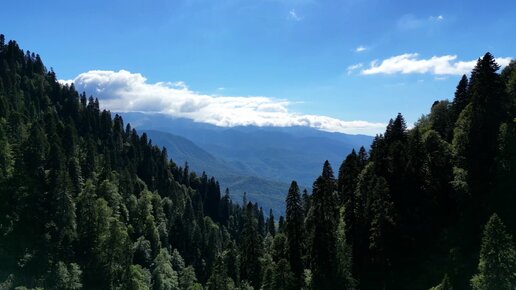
497, 263
322, 231
250, 249
87, 203
295, 233
461, 98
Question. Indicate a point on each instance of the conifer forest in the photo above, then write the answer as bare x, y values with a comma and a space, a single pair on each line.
88, 202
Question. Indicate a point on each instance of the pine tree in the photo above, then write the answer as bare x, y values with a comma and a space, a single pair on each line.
281, 225
224, 208
396, 130
187, 278
497, 265
66, 277
163, 276
490, 108
261, 223
142, 252
92, 229
344, 258
271, 227
461, 99
231, 261
219, 279
381, 230
114, 255
295, 233
346, 183
282, 278
442, 118
140, 278
6, 154
322, 231
250, 250
503, 198
268, 277
461, 144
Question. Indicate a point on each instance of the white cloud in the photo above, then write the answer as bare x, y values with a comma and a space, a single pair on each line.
66, 82
410, 63
361, 48
292, 14
124, 91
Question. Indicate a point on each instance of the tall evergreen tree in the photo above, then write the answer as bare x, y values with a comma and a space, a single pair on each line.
250, 250
344, 258
271, 226
461, 99
348, 172
219, 279
282, 278
322, 227
497, 265
490, 108
503, 197
295, 233
381, 231
163, 276
346, 184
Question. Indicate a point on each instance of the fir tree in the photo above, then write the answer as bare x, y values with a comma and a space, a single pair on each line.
490, 108
344, 258
461, 99
250, 250
295, 233
163, 276
271, 227
322, 218
497, 265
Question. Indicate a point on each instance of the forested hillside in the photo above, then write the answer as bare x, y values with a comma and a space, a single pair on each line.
268, 193
86, 202
261, 161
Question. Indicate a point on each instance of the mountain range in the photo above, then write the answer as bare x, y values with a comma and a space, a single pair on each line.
261, 161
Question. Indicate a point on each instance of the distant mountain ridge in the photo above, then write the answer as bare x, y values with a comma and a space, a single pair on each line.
258, 160
268, 193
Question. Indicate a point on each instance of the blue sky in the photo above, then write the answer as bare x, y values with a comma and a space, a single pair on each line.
294, 56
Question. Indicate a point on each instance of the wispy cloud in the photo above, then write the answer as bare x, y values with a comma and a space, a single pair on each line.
124, 91
437, 18
410, 21
292, 14
410, 63
360, 48
354, 67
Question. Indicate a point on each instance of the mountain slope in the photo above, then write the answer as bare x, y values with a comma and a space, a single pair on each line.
268, 193
280, 154
182, 150
88, 203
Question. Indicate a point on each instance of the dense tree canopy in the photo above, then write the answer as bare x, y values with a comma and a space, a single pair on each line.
89, 203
